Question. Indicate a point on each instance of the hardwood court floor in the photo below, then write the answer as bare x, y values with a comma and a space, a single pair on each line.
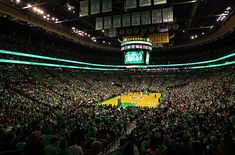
135, 99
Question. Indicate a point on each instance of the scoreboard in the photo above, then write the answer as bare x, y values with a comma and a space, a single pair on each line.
136, 51
134, 57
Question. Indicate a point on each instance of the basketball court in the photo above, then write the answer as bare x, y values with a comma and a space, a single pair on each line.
150, 100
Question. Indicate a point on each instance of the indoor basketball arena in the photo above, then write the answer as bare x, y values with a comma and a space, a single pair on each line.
117, 77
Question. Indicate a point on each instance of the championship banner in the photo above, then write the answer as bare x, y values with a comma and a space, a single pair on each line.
156, 16
130, 4
158, 2
107, 22
145, 3
83, 8
135, 18
95, 7
164, 37
99, 24
117, 21
126, 20
106, 5
167, 14
145, 17
155, 38
159, 38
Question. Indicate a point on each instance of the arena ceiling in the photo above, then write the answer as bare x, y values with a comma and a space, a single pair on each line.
193, 19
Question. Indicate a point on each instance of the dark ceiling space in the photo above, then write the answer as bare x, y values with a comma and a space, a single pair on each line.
193, 19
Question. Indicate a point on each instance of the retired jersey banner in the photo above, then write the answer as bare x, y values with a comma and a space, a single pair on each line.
95, 7
106, 5
130, 4
117, 21
107, 22
126, 21
112, 32
145, 2
83, 8
145, 17
135, 18
99, 24
158, 2
156, 16
167, 14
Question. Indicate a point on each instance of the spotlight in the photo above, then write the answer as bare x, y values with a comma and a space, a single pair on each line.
228, 8
35, 8
29, 5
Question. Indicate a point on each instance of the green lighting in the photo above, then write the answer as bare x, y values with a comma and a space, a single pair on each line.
53, 59
134, 57
114, 66
195, 63
54, 65
216, 65
98, 69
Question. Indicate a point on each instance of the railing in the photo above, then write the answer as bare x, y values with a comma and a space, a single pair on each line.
12, 152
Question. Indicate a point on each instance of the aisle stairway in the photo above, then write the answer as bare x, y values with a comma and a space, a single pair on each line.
115, 145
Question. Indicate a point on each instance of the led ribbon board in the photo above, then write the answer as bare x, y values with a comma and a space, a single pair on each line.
93, 66
136, 45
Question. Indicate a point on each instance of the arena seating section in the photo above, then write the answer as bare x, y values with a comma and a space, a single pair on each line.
55, 111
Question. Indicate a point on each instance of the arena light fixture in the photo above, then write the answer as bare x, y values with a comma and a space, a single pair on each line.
18, 1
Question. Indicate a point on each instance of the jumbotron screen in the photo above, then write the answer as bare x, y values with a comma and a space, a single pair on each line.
134, 57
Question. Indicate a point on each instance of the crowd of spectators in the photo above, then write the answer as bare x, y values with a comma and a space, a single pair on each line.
53, 111
56, 111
